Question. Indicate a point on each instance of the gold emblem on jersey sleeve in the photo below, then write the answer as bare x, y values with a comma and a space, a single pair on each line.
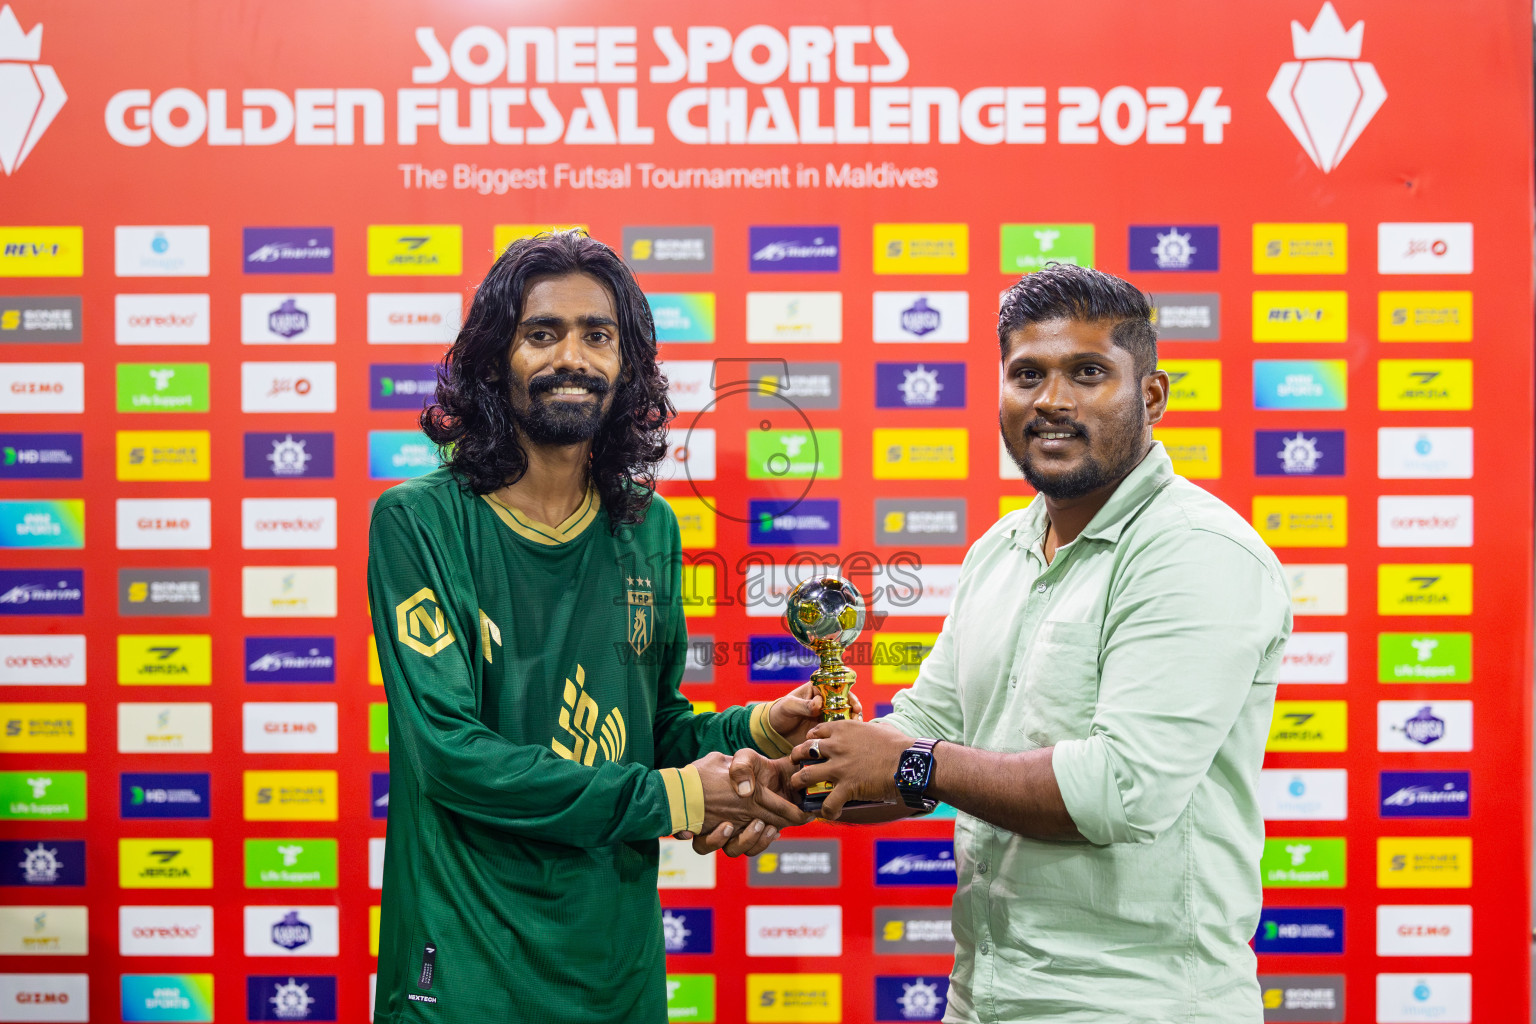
420, 623
489, 633
642, 613
579, 719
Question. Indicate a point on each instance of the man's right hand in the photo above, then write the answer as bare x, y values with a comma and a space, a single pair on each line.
747, 801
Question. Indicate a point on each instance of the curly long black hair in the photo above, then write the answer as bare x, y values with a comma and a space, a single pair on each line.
473, 410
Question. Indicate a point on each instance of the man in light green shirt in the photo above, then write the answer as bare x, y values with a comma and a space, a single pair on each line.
1101, 695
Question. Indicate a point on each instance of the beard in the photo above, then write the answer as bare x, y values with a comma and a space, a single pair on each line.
1119, 450
545, 421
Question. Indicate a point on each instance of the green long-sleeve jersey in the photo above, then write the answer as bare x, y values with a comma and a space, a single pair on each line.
538, 748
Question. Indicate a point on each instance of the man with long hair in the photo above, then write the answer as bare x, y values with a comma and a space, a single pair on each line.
527, 603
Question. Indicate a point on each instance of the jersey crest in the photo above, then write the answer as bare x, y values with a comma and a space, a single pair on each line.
420, 623
579, 716
642, 612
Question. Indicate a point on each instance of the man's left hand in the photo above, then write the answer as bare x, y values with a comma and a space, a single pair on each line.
793, 714
860, 761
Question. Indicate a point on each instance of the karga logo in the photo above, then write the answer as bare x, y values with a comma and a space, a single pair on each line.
1327, 95
30, 93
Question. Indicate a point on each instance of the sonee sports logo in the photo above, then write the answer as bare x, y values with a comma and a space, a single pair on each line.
420, 623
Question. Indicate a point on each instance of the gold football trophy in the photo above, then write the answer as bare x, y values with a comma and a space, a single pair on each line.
826, 614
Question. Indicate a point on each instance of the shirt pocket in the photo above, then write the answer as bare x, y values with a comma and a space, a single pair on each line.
1059, 685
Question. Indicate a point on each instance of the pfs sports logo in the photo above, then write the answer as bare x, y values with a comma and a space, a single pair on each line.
1327, 95
30, 93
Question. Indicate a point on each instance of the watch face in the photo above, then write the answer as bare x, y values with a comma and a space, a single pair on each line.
913, 770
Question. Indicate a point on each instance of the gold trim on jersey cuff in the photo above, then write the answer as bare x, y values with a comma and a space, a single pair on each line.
685, 798
764, 736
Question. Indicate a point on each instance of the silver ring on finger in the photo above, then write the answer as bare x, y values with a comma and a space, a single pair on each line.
815, 749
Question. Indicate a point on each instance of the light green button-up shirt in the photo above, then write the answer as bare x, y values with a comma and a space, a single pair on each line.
1147, 654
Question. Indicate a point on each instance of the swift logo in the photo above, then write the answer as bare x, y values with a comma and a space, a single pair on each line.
30, 92
1327, 95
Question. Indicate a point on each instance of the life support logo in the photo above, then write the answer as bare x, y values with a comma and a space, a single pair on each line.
421, 625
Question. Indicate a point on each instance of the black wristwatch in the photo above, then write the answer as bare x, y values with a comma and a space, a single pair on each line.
914, 771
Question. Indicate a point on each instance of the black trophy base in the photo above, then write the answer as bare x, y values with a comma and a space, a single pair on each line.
811, 802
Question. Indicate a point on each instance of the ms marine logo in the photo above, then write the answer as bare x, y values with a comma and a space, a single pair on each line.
579, 716
421, 625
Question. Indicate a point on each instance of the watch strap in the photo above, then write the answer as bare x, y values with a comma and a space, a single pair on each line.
913, 796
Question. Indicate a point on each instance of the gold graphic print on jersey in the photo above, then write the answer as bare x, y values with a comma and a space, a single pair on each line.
578, 718
420, 623
642, 613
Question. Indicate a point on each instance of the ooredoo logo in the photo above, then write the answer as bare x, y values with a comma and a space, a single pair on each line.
30, 93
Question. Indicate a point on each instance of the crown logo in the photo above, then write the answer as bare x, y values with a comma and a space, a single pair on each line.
30, 93
1327, 37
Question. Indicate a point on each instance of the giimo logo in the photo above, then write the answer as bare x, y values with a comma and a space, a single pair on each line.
420, 623
30, 93
1327, 95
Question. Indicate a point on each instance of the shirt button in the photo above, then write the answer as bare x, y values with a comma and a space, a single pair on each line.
981, 868
1040, 588
985, 947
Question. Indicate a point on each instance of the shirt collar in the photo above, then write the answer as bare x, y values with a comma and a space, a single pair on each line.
1151, 475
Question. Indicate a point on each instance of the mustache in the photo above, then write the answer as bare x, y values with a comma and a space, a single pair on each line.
1042, 424
562, 379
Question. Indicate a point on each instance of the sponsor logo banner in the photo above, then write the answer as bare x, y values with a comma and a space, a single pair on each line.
414, 318
290, 659
699, 666
42, 796
289, 796
290, 863
290, 997
799, 931
922, 249
167, 997
162, 251
911, 997
1300, 316
375, 863
165, 931
1313, 795
1439, 589
1424, 248
42, 659
1316, 658
164, 524
42, 387
1424, 657
1028, 247
1194, 451
670, 250
289, 727
931, 317
1300, 384
797, 863
163, 455
45, 997
290, 455
1300, 248
287, 319
1427, 521
503, 235
690, 383
43, 931
681, 868
1417, 384
921, 590
162, 592
287, 523
794, 316
1302, 997
283, 591
42, 862
37, 728
797, 998
923, 454
1300, 930
403, 454
690, 455
920, 385
415, 249
1438, 930
164, 795
144, 319
42, 591
1298, 453
1302, 521
1187, 316
774, 521
288, 250
895, 657
164, 728
56, 524
683, 316
793, 454
789, 249
690, 997
1424, 316
904, 930
41, 456
695, 521
926, 521
804, 385
39, 319
1411, 998
1426, 795
164, 660
914, 862
1424, 453
1176, 247
401, 385
378, 795
287, 387
42, 251
1412, 726
1194, 385
1439, 862
162, 387
689, 929
165, 863
1303, 862
779, 659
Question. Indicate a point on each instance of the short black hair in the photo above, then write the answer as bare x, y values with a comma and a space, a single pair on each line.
1060, 291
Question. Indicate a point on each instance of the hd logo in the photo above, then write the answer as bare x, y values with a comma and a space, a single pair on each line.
421, 625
